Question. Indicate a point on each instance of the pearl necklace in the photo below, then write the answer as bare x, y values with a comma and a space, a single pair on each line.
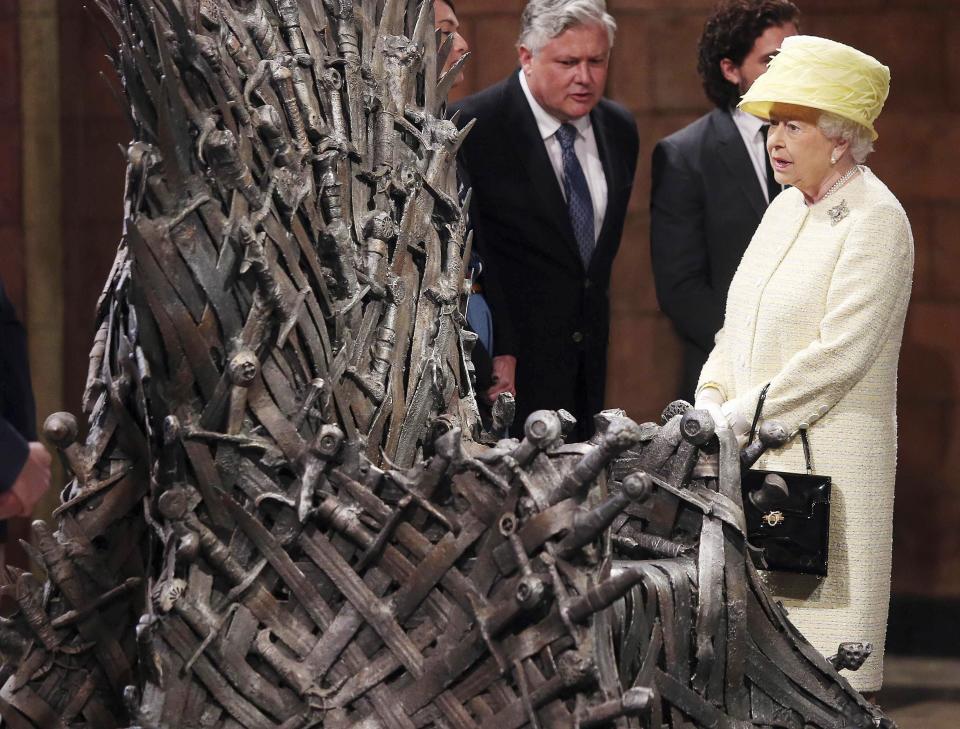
841, 182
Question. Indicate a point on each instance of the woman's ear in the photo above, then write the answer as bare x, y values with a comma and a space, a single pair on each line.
840, 147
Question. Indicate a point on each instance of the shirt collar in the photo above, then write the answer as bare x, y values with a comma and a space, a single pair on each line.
548, 124
748, 122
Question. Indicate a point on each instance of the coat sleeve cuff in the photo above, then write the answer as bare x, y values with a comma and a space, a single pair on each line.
712, 386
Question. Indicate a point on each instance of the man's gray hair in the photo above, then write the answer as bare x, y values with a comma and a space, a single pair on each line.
544, 20
836, 127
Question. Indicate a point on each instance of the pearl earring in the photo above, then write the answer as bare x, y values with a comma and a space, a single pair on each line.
833, 158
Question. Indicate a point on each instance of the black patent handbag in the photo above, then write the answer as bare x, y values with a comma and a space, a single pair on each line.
787, 514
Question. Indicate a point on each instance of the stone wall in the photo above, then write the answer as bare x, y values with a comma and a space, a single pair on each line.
94, 132
12, 269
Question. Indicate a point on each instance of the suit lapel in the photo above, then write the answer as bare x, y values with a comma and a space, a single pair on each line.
732, 151
609, 169
521, 128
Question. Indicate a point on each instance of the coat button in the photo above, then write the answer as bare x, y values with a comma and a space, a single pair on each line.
822, 410
577, 337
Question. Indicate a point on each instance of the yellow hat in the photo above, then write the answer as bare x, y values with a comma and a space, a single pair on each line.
821, 74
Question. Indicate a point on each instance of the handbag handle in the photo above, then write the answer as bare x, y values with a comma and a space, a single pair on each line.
803, 431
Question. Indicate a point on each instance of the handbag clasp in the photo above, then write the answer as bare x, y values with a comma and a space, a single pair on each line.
774, 518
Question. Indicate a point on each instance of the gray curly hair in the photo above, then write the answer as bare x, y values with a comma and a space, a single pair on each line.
836, 127
543, 20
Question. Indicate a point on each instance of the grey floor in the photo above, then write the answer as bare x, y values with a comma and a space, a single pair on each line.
921, 693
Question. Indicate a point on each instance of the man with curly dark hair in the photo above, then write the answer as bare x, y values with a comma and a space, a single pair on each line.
711, 179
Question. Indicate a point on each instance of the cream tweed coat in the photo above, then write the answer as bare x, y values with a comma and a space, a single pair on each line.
816, 309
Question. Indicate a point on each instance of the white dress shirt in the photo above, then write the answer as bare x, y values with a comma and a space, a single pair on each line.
750, 128
585, 147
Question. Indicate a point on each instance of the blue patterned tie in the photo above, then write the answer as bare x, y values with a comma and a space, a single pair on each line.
579, 203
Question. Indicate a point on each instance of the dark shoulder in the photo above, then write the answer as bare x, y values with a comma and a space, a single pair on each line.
482, 105
697, 132
6, 308
617, 117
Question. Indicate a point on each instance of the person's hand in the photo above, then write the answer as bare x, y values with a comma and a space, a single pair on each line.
711, 400
738, 423
10, 505
716, 412
32, 482
503, 377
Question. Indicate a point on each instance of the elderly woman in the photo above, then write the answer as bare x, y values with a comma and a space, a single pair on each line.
816, 311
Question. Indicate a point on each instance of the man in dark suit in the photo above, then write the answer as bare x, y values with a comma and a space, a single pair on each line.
712, 180
24, 462
551, 164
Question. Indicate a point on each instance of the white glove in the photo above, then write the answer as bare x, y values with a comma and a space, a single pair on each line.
736, 420
711, 400
738, 423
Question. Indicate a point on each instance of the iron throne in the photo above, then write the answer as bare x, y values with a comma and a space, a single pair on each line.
286, 513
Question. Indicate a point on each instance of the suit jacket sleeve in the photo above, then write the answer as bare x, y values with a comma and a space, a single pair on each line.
866, 299
503, 333
17, 415
678, 249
